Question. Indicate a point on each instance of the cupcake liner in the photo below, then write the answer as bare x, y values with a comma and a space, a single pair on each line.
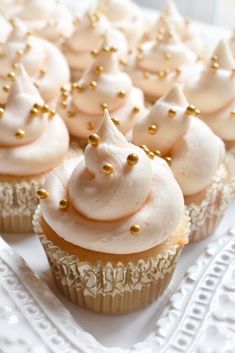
107, 288
18, 202
206, 216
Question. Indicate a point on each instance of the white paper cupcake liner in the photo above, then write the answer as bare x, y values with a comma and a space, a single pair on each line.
107, 288
206, 216
18, 201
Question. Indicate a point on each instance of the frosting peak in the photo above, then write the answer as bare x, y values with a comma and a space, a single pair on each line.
101, 185
223, 56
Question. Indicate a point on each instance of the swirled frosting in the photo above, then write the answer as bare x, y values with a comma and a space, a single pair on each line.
31, 142
42, 60
126, 16
49, 19
102, 208
89, 35
103, 85
5, 29
214, 92
196, 152
163, 62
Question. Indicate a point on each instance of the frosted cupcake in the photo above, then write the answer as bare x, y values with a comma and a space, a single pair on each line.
113, 224
87, 38
213, 92
33, 140
102, 86
196, 156
44, 63
49, 19
126, 16
161, 63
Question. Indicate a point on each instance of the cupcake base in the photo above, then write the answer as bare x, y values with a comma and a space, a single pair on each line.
106, 283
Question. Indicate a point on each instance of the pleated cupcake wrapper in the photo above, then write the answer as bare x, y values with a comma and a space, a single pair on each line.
206, 216
18, 202
107, 288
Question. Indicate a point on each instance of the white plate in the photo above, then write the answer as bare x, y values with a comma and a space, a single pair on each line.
198, 318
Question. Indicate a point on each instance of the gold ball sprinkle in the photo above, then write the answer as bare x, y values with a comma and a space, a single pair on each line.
34, 112
116, 122
77, 87
168, 56
197, 112
42, 193
63, 105
64, 204
51, 113
6, 88
1, 112
151, 155
178, 71
157, 153
11, 76
135, 110
64, 95
20, 52
99, 70
94, 53
90, 126
20, 134
132, 159
107, 168
45, 108
146, 75
15, 66
37, 106
190, 110
70, 114
93, 84
121, 94
104, 106
139, 57
152, 129
135, 229
145, 148
168, 160
214, 58
214, 66
171, 113
94, 140
233, 113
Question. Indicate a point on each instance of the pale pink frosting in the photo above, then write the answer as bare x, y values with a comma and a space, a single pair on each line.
155, 69
195, 150
46, 140
86, 105
86, 38
49, 19
214, 92
126, 16
41, 55
5, 29
104, 207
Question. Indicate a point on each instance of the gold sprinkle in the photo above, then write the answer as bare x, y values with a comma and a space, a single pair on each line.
140, 48
160, 37
139, 57
233, 72
190, 110
6, 88
106, 49
178, 71
145, 148
168, 160
168, 56
121, 94
214, 58
28, 46
70, 114
51, 113
197, 112
99, 70
113, 49
123, 62
34, 112
146, 75
42, 193
94, 140
94, 53
42, 73
135, 229
90, 126
171, 113
151, 155
11, 76
20, 52
233, 113
214, 66
63, 89
15, 66
45, 108
64, 94
132, 159
77, 87
1, 112
63, 105
64, 204
20, 134
104, 106
93, 84
135, 110
107, 168
116, 122
162, 74
152, 129
157, 153
37, 106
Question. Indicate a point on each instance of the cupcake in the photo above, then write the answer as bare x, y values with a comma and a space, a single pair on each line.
213, 92
187, 30
102, 86
196, 156
126, 16
33, 140
49, 19
42, 60
87, 38
161, 63
113, 224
